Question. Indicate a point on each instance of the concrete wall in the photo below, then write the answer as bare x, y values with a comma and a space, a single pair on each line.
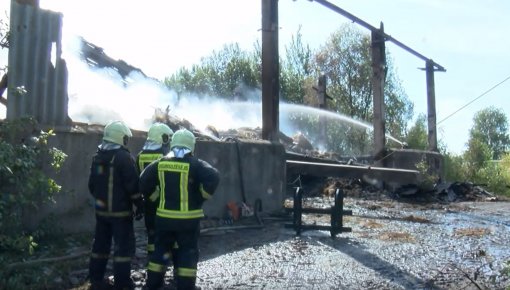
261, 167
408, 158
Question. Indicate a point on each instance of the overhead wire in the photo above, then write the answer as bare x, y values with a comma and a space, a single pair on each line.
469, 103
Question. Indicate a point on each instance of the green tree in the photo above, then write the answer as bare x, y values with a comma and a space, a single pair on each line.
475, 157
416, 137
453, 167
491, 128
398, 108
346, 61
226, 73
296, 71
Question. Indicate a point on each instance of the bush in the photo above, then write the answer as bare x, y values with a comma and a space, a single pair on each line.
493, 174
24, 184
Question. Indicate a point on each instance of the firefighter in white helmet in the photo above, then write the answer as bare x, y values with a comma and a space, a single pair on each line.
185, 182
113, 182
156, 146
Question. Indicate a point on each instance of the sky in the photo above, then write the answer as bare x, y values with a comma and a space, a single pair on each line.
466, 37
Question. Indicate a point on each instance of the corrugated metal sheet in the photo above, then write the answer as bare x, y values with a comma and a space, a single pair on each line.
35, 40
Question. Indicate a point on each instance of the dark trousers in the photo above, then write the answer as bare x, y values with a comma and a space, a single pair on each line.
122, 232
149, 219
186, 258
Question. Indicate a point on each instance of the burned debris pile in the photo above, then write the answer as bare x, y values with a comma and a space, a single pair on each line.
297, 143
299, 147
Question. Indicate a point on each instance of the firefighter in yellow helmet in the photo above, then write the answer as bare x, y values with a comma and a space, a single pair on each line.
156, 146
113, 182
185, 182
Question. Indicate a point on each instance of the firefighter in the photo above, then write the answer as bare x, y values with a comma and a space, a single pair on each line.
113, 182
156, 146
185, 182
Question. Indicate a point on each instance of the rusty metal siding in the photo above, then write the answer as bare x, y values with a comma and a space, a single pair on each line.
35, 37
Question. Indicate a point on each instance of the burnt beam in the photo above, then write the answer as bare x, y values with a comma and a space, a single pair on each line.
353, 171
270, 70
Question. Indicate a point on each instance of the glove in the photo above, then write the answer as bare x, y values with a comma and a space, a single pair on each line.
139, 213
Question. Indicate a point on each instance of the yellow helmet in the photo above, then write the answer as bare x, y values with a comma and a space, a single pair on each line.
159, 133
117, 132
183, 138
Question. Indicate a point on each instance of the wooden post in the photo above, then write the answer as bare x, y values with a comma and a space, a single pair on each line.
321, 95
431, 107
270, 71
378, 78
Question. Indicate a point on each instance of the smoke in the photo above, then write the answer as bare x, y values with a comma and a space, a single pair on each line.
98, 96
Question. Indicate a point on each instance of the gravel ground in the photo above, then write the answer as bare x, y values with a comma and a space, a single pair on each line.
393, 245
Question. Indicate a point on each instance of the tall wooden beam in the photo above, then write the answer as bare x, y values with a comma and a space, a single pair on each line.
270, 70
378, 78
321, 95
431, 107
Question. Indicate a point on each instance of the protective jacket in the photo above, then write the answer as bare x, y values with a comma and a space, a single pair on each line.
113, 182
184, 184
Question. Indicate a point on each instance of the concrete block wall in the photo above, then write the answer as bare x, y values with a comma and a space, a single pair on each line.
257, 168
408, 158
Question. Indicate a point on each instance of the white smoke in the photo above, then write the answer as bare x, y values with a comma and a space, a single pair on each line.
98, 96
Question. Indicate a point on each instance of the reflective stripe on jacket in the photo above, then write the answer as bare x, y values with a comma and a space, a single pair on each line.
144, 158
184, 184
113, 182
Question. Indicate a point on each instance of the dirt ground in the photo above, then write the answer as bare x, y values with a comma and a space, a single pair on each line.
394, 244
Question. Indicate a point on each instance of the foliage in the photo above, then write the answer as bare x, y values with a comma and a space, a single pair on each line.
416, 137
346, 61
475, 157
491, 128
494, 175
429, 179
398, 107
478, 164
56, 274
227, 73
342, 138
24, 184
296, 72
453, 167
4, 32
